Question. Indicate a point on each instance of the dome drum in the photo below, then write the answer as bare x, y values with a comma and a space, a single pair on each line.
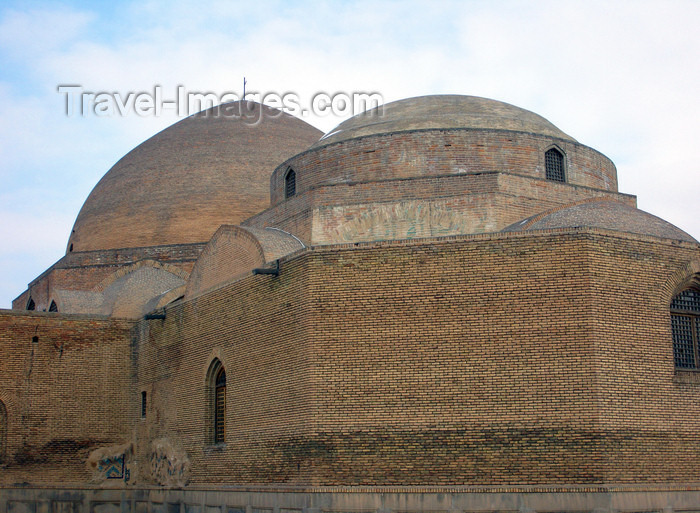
440, 152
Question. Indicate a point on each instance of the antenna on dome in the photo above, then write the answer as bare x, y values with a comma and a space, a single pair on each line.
244, 83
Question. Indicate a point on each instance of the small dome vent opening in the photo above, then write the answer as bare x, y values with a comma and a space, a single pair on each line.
554, 165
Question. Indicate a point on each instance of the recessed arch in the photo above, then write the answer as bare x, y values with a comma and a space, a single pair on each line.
31, 305
53, 307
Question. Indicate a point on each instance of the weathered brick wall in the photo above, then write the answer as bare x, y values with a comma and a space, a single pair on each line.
480, 362
87, 269
66, 385
421, 207
653, 408
456, 363
505, 359
425, 153
258, 329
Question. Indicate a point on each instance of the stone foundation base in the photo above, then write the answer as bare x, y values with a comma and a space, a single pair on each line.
354, 500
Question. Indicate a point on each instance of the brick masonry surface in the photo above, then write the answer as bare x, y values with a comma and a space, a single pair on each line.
502, 359
521, 359
425, 153
85, 270
66, 383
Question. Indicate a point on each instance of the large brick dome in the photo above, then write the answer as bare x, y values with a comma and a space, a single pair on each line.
442, 112
180, 185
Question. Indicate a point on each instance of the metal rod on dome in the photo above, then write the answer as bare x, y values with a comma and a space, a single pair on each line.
244, 83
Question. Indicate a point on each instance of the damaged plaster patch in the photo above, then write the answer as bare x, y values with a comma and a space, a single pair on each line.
108, 463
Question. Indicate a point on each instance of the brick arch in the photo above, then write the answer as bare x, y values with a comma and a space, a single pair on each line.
137, 293
686, 276
231, 252
529, 221
234, 251
120, 273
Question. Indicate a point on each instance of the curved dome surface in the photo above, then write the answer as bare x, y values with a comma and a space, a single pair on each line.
605, 214
442, 112
180, 185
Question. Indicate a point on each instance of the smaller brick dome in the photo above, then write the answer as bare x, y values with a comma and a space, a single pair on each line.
437, 136
180, 185
605, 214
442, 112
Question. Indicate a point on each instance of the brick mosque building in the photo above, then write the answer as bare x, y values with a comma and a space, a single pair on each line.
445, 306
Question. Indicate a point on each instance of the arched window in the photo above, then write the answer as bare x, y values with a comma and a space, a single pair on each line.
216, 414
53, 307
3, 431
290, 183
685, 327
554, 165
31, 305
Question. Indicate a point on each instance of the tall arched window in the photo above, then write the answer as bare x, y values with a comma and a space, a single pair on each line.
3, 431
216, 414
31, 305
290, 183
53, 307
685, 327
554, 165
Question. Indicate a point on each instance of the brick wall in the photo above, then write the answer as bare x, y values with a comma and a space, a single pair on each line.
85, 270
503, 359
422, 207
66, 385
258, 329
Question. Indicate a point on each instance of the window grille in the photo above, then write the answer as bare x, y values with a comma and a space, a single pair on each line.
220, 407
554, 165
290, 184
143, 404
685, 328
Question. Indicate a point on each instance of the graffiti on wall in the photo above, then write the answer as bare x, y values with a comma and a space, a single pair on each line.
169, 463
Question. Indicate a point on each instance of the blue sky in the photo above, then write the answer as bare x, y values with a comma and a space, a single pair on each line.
619, 76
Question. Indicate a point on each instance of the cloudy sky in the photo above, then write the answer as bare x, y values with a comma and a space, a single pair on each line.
620, 76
